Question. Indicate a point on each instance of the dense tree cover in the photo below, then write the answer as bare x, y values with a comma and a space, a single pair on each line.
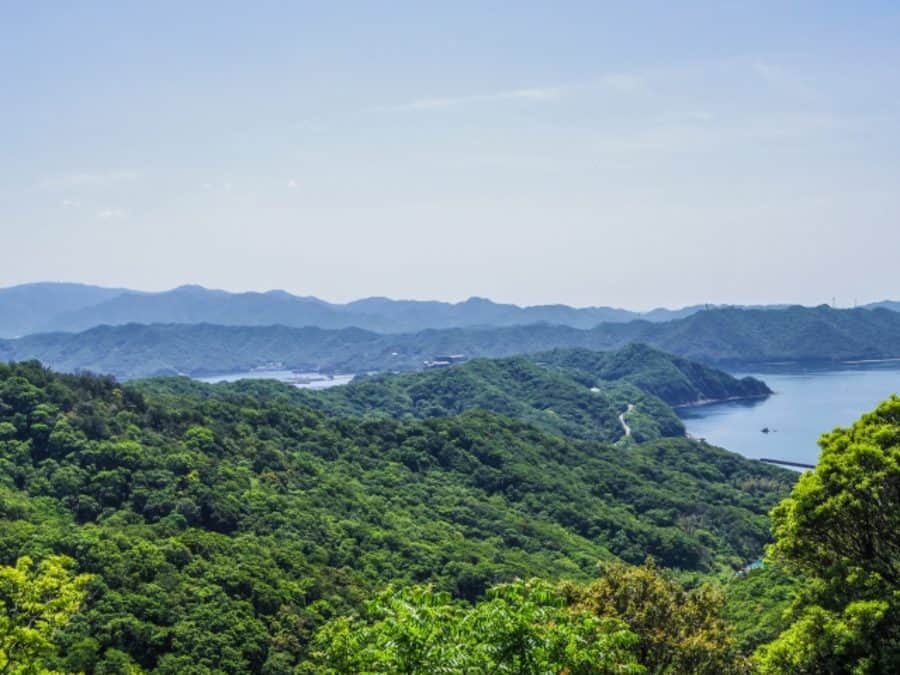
245, 532
629, 620
670, 378
520, 628
840, 529
826, 601
580, 401
518, 388
222, 532
717, 336
576, 393
679, 630
35, 602
757, 604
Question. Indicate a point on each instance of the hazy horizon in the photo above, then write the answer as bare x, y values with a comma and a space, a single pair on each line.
638, 156
834, 302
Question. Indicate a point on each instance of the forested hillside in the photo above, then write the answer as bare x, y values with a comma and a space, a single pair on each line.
220, 533
675, 380
725, 337
575, 393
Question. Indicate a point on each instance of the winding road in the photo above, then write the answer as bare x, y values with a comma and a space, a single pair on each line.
623, 422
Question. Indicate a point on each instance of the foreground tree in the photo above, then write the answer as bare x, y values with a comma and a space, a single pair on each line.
840, 529
35, 602
678, 631
523, 628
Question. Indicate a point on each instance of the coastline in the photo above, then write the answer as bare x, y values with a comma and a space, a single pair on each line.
710, 401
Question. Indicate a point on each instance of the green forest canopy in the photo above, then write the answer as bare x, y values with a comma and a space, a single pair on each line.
220, 534
573, 392
201, 534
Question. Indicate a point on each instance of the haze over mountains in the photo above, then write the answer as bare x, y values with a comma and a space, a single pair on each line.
46, 307
723, 337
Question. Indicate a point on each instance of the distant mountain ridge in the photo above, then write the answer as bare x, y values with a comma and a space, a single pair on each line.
722, 337
892, 305
25, 309
49, 307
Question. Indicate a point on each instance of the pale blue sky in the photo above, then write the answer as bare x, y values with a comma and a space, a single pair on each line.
633, 154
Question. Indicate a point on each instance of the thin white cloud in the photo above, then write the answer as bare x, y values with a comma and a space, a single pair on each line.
312, 126
70, 203
706, 134
622, 82
112, 214
89, 179
223, 186
535, 94
768, 71
292, 184
700, 116
783, 80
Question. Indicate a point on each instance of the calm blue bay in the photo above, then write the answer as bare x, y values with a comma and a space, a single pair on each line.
806, 403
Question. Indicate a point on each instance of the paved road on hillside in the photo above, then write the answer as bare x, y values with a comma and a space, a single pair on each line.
622, 420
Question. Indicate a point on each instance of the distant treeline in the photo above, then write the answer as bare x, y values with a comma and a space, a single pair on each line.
724, 337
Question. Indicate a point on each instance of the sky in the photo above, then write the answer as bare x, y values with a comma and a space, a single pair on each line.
633, 154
